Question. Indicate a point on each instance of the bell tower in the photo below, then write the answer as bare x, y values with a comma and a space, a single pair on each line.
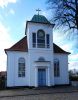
39, 32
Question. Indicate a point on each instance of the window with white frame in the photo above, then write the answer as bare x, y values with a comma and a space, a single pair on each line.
40, 40
56, 68
21, 67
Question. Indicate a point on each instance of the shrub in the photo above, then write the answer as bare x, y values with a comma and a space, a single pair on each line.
2, 82
73, 78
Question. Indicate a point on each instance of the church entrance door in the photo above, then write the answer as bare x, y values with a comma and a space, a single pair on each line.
41, 77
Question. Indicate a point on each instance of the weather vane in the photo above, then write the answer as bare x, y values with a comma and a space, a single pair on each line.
38, 10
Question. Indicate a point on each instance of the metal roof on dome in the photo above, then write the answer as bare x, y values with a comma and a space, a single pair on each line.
40, 19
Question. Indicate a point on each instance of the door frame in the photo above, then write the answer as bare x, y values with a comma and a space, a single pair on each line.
43, 65
45, 78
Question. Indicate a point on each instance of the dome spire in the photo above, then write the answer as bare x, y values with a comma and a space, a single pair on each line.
38, 10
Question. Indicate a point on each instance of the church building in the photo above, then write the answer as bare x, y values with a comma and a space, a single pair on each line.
35, 60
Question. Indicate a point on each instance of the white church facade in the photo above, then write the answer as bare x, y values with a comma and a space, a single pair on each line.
35, 60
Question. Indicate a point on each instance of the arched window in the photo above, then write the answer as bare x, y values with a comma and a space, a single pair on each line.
41, 59
41, 39
56, 68
21, 67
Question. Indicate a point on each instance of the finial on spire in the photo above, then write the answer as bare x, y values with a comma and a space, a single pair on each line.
38, 10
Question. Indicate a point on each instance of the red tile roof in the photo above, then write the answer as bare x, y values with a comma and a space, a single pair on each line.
23, 47
19, 46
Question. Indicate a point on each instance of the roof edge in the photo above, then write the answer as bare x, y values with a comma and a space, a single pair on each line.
64, 52
14, 50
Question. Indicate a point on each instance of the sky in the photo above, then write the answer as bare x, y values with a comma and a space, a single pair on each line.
13, 17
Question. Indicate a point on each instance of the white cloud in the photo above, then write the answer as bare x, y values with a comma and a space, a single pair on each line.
60, 40
73, 65
67, 47
12, 11
5, 42
24, 24
1, 17
57, 36
74, 57
45, 13
4, 3
9, 12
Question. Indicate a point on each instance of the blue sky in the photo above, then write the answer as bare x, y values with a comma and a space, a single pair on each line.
13, 17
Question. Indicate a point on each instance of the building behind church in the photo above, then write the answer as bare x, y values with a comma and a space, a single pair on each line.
35, 60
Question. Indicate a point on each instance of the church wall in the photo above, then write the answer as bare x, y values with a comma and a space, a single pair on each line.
34, 56
12, 76
63, 64
10, 69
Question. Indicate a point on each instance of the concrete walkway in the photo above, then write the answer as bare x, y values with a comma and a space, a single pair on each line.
37, 91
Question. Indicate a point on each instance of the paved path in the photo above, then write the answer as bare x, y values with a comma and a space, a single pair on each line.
56, 96
61, 93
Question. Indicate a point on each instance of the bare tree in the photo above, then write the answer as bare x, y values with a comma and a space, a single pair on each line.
66, 13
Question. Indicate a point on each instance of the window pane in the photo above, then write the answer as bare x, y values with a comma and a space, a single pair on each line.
41, 34
23, 74
22, 64
40, 45
34, 39
56, 68
19, 75
21, 60
41, 39
34, 45
21, 67
47, 40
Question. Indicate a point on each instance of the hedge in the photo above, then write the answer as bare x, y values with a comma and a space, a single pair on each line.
73, 78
